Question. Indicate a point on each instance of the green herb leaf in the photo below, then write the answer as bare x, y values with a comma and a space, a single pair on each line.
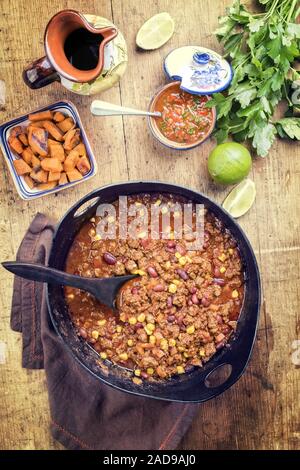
291, 127
263, 139
263, 48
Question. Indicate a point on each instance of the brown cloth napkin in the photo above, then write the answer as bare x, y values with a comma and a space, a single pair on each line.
85, 413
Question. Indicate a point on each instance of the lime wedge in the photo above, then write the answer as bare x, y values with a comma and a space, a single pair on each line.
155, 32
240, 199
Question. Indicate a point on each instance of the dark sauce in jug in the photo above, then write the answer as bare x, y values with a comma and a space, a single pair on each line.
82, 49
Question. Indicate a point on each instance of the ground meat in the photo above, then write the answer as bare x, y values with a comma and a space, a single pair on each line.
182, 308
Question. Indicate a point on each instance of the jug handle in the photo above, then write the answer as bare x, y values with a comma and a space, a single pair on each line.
39, 74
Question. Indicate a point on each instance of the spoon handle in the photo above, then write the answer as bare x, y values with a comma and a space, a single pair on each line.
40, 273
102, 108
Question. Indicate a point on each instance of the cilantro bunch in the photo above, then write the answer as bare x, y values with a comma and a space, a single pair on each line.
263, 48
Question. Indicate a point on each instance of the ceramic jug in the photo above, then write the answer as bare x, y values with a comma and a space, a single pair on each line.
109, 54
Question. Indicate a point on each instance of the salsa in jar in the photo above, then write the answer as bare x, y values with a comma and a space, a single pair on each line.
185, 119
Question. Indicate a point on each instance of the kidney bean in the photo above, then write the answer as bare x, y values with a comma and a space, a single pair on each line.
219, 281
183, 274
195, 299
193, 290
190, 302
171, 318
144, 243
159, 288
219, 319
144, 375
109, 258
83, 333
189, 237
181, 249
134, 290
205, 302
220, 345
171, 244
170, 250
217, 272
170, 301
226, 329
152, 272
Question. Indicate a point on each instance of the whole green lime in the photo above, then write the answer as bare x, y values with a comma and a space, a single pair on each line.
229, 163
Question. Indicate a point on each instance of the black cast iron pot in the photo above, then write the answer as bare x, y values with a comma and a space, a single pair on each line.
193, 386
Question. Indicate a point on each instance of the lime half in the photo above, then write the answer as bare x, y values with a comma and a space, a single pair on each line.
229, 163
240, 199
155, 32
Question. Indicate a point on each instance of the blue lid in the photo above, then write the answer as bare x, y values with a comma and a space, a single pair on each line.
200, 70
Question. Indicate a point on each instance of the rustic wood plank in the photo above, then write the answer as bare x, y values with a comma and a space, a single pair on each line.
262, 410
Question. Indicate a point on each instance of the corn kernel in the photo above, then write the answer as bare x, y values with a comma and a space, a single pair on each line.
164, 344
132, 321
180, 370
103, 355
176, 282
222, 257
137, 381
138, 271
123, 356
158, 202
122, 317
222, 269
141, 317
168, 265
142, 234
172, 342
234, 294
95, 334
186, 354
150, 371
97, 237
182, 261
202, 352
150, 326
119, 329
164, 210
190, 329
230, 251
180, 348
178, 255
130, 342
137, 372
172, 288
148, 331
101, 322
152, 339
71, 296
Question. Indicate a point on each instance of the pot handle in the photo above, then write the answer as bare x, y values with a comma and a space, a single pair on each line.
39, 74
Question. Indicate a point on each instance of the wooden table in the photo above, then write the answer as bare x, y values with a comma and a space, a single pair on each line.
262, 410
